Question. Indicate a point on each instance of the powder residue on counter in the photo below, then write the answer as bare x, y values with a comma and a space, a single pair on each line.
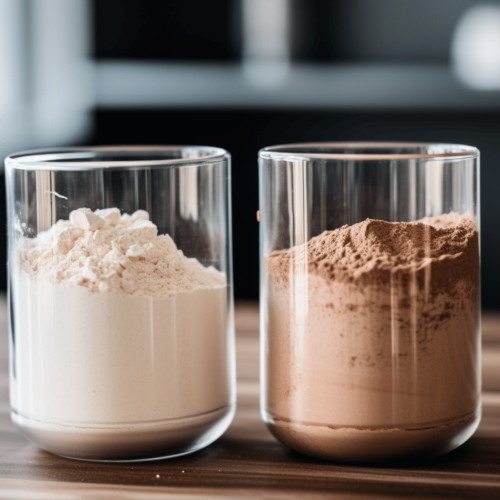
104, 251
374, 327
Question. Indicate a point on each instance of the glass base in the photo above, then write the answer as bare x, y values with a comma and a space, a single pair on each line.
357, 445
130, 442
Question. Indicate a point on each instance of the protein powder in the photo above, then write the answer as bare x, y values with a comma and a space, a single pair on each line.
120, 342
372, 349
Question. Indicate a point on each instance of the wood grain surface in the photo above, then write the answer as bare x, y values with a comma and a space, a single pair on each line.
247, 462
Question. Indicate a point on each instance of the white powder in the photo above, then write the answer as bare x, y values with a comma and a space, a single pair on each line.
116, 329
106, 252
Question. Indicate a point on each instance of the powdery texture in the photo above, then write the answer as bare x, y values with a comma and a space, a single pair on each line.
106, 358
104, 251
121, 344
373, 328
376, 252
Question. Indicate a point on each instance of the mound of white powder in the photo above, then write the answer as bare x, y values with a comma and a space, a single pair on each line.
121, 345
104, 251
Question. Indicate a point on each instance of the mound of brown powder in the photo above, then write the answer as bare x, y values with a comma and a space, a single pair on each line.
372, 251
372, 339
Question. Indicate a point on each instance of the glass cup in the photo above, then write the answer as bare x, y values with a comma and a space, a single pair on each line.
121, 301
370, 299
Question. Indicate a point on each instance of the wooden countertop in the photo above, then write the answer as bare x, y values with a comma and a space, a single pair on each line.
247, 462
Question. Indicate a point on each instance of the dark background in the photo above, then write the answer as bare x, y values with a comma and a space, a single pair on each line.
244, 132
323, 32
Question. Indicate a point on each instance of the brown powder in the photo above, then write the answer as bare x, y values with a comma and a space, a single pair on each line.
374, 328
374, 251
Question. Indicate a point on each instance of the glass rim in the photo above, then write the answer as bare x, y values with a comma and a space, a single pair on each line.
443, 151
73, 158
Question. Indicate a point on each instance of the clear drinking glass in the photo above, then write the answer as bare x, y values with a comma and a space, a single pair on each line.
370, 298
121, 301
